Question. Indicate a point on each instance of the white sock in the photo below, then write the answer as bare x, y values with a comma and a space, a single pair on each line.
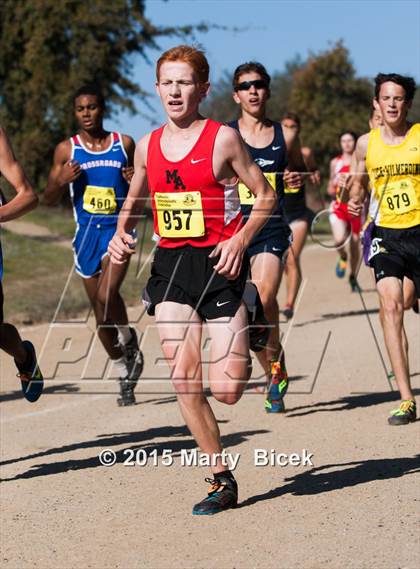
120, 365
124, 334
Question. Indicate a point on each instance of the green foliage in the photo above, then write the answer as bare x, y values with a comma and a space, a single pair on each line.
323, 90
329, 98
49, 48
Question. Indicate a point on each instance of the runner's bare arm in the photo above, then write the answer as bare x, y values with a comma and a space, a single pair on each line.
231, 159
311, 165
129, 147
294, 173
359, 185
63, 172
121, 245
25, 199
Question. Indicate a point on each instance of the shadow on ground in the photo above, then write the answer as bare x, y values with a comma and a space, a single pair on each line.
339, 476
52, 389
335, 315
135, 441
346, 403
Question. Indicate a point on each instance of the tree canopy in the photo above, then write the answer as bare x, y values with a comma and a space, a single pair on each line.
49, 48
324, 91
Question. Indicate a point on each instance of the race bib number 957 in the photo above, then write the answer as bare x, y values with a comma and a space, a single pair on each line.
179, 214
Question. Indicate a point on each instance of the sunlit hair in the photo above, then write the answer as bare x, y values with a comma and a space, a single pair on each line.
407, 83
90, 89
291, 116
187, 54
250, 67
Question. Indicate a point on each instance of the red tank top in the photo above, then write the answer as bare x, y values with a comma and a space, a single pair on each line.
190, 207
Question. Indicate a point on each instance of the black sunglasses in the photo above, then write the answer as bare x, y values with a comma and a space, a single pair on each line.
246, 85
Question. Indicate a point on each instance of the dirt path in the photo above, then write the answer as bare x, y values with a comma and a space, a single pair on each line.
356, 506
29, 229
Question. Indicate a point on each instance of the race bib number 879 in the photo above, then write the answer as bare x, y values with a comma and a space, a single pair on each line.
399, 197
179, 214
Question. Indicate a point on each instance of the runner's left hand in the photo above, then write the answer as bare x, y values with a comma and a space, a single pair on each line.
293, 179
231, 254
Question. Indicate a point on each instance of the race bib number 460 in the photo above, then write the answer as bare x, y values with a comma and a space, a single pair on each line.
98, 199
179, 214
247, 197
398, 197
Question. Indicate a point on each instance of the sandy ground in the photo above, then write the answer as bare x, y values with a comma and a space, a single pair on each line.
355, 507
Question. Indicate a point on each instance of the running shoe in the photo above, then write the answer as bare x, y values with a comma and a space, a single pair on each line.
354, 285
127, 392
278, 387
288, 311
340, 268
406, 413
133, 356
222, 495
135, 363
30, 375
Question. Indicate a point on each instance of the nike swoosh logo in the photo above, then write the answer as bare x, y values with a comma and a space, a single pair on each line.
219, 304
196, 161
275, 147
275, 249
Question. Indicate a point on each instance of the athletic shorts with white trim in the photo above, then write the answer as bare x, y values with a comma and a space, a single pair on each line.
396, 253
90, 246
275, 242
185, 275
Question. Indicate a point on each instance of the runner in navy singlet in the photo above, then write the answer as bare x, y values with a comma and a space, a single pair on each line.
265, 142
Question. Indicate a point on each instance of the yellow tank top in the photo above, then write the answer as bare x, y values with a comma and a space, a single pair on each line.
394, 173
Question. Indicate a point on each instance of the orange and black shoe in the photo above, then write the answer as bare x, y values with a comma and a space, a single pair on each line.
222, 495
279, 384
30, 375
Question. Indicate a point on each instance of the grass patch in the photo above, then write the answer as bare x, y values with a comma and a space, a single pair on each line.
59, 220
36, 272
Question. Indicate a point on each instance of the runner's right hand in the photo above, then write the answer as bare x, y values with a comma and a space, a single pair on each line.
354, 207
70, 171
121, 246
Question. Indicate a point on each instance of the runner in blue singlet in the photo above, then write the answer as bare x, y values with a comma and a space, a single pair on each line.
96, 166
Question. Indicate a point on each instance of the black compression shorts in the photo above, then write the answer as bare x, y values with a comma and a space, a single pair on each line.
396, 253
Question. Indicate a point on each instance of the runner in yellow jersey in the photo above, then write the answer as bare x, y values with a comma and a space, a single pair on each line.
390, 155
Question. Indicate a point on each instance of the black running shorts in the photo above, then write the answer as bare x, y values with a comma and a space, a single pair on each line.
396, 253
186, 275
